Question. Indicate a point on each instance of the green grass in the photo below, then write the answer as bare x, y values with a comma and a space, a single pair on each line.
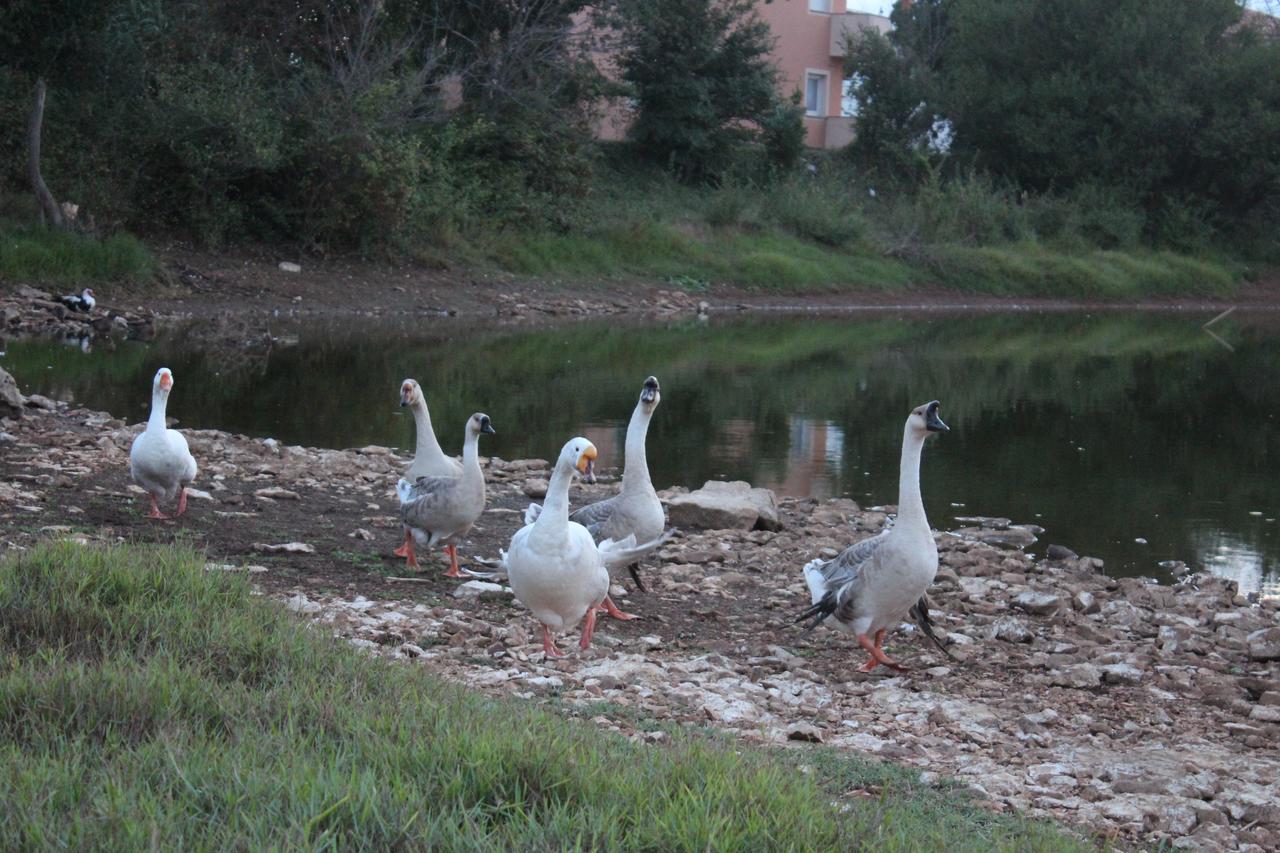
827, 233
37, 255
145, 702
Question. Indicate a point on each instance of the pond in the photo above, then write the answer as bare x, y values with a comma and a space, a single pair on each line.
1133, 437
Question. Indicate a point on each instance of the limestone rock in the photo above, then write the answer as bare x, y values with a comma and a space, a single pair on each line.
1264, 644
1037, 603
1010, 630
725, 506
11, 400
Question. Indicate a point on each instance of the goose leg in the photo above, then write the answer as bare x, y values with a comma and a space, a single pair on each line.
182, 502
155, 510
403, 550
453, 562
411, 558
877, 654
549, 645
588, 629
607, 606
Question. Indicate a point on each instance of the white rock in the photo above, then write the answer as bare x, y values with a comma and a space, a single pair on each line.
290, 266
483, 590
725, 506
284, 548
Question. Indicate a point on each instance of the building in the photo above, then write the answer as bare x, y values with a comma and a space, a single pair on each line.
809, 53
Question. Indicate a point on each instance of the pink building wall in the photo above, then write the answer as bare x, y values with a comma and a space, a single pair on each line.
808, 41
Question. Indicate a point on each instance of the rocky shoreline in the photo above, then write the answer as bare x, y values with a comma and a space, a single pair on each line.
1126, 709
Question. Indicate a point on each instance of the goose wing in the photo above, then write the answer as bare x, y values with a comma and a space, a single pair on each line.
423, 501
835, 585
595, 516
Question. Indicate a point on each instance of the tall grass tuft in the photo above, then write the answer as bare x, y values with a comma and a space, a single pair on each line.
31, 253
145, 702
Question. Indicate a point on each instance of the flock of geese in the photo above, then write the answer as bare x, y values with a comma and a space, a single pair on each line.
560, 563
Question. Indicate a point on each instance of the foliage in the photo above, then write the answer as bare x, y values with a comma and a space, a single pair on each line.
35, 254
147, 702
704, 84
329, 124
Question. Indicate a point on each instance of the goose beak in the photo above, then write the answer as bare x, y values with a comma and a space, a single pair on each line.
932, 422
587, 464
166, 380
650, 391
406, 394
487, 428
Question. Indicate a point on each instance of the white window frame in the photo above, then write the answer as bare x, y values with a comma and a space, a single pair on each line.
821, 7
823, 91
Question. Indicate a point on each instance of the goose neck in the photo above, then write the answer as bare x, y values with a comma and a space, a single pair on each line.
156, 420
635, 464
426, 444
910, 503
555, 506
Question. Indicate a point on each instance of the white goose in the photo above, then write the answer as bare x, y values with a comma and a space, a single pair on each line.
428, 459
635, 510
83, 302
554, 566
441, 510
875, 582
159, 460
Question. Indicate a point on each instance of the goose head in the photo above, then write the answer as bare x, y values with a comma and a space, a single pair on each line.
650, 395
479, 423
410, 393
924, 419
580, 455
87, 295
163, 382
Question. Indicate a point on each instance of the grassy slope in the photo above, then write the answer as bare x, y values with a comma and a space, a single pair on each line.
145, 702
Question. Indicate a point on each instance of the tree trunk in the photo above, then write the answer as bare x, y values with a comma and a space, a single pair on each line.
48, 206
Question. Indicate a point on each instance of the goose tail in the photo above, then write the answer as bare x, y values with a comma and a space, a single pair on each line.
625, 551
814, 578
403, 490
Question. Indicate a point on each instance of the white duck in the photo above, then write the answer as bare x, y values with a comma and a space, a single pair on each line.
428, 459
441, 510
875, 582
554, 566
635, 510
159, 460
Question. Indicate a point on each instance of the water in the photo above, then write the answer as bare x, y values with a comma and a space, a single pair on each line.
1104, 429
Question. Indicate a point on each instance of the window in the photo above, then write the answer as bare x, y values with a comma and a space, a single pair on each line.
820, 6
815, 93
849, 96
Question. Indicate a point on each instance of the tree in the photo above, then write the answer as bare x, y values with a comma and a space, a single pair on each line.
1170, 102
702, 78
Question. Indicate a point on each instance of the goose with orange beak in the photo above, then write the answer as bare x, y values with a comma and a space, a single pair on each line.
554, 566
159, 460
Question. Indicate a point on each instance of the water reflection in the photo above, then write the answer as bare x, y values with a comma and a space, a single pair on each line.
1103, 429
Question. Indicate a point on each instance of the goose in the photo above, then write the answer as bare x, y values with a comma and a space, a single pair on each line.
159, 460
441, 510
428, 459
554, 566
83, 302
873, 583
636, 508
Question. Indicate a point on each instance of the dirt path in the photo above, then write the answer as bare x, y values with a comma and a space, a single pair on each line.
1127, 709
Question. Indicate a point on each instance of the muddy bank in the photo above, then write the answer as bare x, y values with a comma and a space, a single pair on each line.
246, 288
1118, 706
